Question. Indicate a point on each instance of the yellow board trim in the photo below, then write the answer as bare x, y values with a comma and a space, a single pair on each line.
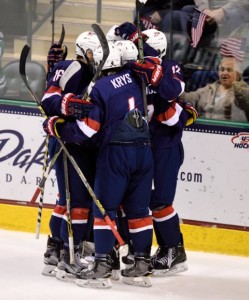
197, 238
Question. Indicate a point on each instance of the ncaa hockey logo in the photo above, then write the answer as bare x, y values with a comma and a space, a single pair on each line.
241, 140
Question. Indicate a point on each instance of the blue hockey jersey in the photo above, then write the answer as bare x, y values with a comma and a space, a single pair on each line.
167, 117
68, 76
113, 97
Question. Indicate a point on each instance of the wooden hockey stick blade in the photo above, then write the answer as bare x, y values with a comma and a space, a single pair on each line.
104, 44
61, 40
22, 70
22, 63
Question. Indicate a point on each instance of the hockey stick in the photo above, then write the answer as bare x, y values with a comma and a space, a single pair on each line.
23, 58
139, 5
53, 160
69, 219
106, 51
45, 176
42, 191
39, 216
61, 40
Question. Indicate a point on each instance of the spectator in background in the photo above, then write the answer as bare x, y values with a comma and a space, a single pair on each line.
156, 14
231, 14
226, 98
2, 76
174, 16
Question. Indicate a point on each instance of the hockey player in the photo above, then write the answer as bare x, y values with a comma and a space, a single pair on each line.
167, 117
66, 80
124, 168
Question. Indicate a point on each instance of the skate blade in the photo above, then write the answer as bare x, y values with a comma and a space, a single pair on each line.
50, 270
182, 267
64, 276
99, 283
141, 281
115, 275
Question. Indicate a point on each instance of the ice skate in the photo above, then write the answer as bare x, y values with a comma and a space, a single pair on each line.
160, 252
98, 277
138, 274
51, 257
169, 261
67, 271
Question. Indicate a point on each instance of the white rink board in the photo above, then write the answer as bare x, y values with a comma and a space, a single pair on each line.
21, 169
212, 186
221, 193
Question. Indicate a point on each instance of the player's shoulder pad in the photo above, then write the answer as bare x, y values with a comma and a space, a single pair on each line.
73, 67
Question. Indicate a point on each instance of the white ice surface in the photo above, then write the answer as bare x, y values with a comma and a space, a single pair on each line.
210, 276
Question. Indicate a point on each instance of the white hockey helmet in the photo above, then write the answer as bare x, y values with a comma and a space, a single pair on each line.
111, 36
127, 49
87, 40
113, 59
157, 40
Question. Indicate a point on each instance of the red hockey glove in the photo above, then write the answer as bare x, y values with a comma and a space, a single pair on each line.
56, 53
75, 107
149, 71
53, 125
187, 106
128, 31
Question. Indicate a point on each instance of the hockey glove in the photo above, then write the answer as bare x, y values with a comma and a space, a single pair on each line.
53, 126
150, 71
56, 53
187, 106
75, 107
128, 31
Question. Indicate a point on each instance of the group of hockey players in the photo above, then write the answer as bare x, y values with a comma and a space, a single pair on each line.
130, 156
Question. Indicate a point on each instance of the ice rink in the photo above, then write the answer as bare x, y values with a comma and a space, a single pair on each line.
210, 276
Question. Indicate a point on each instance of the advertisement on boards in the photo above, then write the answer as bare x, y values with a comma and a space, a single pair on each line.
212, 182
22, 146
